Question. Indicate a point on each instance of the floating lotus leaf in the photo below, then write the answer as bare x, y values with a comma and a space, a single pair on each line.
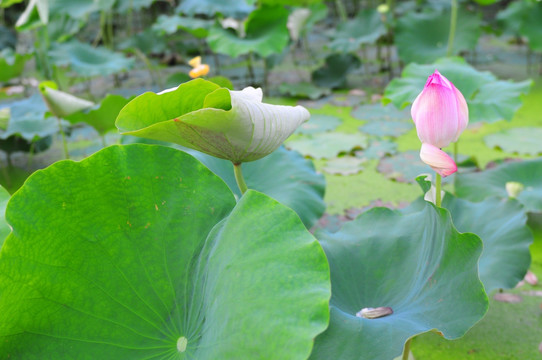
232, 125
386, 128
155, 260
380, 112
524, 141
344, 165
328, 144
480, 185
408, 263
319, 123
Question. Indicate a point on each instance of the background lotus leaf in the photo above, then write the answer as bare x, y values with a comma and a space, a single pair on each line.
423, 37
489, 99
481, 185
266, 34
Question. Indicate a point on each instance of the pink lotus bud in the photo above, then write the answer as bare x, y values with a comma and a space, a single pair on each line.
440, 112
438, 160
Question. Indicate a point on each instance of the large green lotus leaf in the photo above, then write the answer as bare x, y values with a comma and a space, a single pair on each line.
284, 175
232, 125
512, 18
4, 227
480, 185
102, 117
416, 264
140, 252
502, 226
27, 120
89, 61
266, 34
365, 28
231, 8
489, 99
525, 141
423, 37
170, 24
335, 69
11, 64
60, 103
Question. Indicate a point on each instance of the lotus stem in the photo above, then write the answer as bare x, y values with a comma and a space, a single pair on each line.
65, 143
438, 185
341, 10
453, 23
239, 178
406, 350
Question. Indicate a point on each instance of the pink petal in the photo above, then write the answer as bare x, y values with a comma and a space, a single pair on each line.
436, 112
462, 111
437, 159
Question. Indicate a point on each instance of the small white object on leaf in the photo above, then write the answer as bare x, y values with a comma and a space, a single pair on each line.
514, 188
61, 104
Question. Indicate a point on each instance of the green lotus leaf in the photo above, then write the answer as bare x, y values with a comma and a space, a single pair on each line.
231, 125
327, 145
502, 226
11, 64
231, 8
530, 27
62, 104
265, 34
88, 61
284, 175
481, 185
489, 99
303, 90
525, 141
423, 37
101, 117
27, 120
416, 264
4, 227
335, 69
170, 24
141, 252
365, 28
123, 6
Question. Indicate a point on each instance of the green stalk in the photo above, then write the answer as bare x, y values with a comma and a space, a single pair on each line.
453, 23
250, 66
438, 185
66, 152
341, 10
239, 178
